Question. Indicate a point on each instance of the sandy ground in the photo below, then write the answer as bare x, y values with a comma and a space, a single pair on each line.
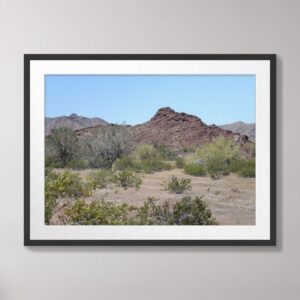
231, 198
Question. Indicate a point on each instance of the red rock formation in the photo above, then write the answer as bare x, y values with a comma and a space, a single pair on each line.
179, 130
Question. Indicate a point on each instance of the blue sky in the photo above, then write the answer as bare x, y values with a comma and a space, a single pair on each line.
134, 99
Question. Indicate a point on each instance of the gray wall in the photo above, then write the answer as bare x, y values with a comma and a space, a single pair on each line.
156, 26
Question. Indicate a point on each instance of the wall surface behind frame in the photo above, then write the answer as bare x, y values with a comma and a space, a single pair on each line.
170, 26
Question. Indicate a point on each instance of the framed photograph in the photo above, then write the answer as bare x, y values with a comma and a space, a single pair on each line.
150, 149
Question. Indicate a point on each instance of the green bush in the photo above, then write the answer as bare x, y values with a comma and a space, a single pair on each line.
145, 151
188, 149
127, 179
178, 186
154, 214
100, 178
187, 211
165, 152
78, 164
62, 185
191, 211
249, 148
126, 163
151, 165
96, 213
53, 162
147, 165
243, 167
217, 155
248, 170
194, 170
180, 162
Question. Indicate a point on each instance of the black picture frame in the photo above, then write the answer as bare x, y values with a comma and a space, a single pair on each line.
31, 242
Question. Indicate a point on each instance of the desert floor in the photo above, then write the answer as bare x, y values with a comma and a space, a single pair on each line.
230, 198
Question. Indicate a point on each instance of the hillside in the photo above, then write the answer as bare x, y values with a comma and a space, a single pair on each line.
179, 130
242, 128
73, 121
170, 128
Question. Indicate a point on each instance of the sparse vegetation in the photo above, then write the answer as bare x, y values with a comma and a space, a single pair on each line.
127, 179
187, 211
180, 163
116, 162
78, 164
100, 178
177, 186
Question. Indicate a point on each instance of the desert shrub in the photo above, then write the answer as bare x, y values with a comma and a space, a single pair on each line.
49, 207
235, 165
180, 163
165, 152
177, 186
187, 211
217, 155
62, 143
145, 151
100, 178
248, 170
191, 211
62, 185
147, 165
66, 184
106, 144
243, 167
154, 164
188, 149
249, 148
96, 213
78, 164
154, 214
195, 170
126, 163
127, 179
53, 162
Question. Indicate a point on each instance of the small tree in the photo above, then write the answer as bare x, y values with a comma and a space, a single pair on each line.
106, 144
62, 143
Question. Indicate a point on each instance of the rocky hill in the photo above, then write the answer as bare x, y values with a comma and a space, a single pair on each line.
73, 121
173, 129
180, 130
242, 128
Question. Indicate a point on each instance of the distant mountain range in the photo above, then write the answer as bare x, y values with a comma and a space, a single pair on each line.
242, 128
175, 130
72, 121
168, 127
